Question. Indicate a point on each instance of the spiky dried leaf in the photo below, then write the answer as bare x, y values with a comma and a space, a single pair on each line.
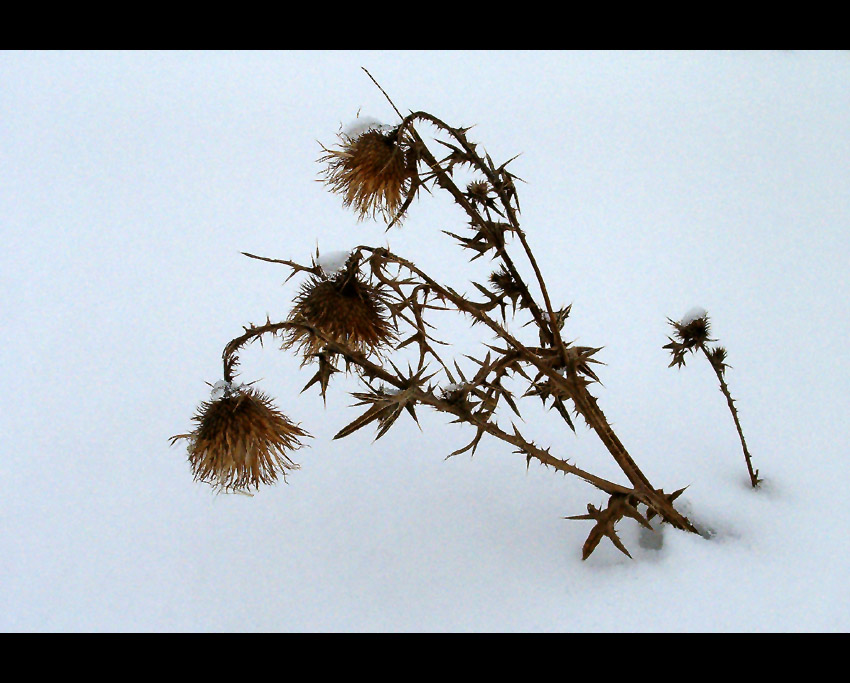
606, 519
323, 375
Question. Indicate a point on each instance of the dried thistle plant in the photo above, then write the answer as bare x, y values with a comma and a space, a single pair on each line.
691, 335
360, 319
241, 439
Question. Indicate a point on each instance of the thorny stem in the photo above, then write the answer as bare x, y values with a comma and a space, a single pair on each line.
449, 185
754, 478
428, 398
585, 402
643, 493
498, 186
229, 354
445, 181
420, 396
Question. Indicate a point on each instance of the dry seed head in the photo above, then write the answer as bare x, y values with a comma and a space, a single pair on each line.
374, 172
694, 331
479, 192
241, 440
345, 308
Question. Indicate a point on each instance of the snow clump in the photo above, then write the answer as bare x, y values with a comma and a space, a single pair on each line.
695, 313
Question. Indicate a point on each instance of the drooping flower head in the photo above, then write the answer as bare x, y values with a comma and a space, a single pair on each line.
241, 440
373, 170
345, 308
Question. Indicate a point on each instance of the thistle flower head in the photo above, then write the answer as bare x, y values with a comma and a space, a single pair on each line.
374, 171
693, 329
240, 440
344, 308
691, 332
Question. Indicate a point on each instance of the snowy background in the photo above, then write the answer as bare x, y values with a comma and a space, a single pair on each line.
655, 182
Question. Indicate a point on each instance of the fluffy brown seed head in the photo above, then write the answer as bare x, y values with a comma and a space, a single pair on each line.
241, 441
345, 308
373, 172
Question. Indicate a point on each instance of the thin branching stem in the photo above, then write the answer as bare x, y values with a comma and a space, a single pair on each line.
427, 397
724, 388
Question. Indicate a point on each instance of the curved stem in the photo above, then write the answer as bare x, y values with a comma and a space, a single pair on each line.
229, 354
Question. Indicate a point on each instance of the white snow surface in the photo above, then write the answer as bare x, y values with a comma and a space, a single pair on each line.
716, 177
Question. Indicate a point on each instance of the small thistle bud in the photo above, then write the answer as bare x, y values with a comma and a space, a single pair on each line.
345, 308
241, 439
375, 172
693, 329
478, 190
504, 283
717, 357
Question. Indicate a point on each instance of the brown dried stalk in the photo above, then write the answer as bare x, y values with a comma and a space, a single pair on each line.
501, 180
573, 385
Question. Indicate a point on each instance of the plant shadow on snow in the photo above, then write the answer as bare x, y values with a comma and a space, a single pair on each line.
651, 542
654, 540
711, 522
709, 526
